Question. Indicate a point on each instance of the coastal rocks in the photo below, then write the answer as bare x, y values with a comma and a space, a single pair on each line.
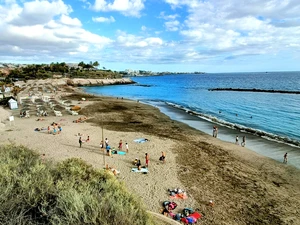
96, 82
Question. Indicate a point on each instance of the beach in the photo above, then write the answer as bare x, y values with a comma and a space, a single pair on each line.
246, 188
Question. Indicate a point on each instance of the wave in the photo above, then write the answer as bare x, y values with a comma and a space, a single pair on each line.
241, 128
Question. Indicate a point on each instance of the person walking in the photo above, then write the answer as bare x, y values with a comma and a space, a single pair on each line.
244, 141
214, 131
80, 142
147, 159
285, 158
237, 140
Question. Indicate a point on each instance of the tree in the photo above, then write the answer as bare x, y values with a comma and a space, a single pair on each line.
82, 64
96, 64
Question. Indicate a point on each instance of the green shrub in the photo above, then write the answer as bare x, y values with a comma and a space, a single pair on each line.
72, 192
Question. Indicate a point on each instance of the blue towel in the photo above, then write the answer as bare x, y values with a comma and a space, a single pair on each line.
142, 170
140, 140
121, 153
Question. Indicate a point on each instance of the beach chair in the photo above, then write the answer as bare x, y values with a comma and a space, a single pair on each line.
57, 113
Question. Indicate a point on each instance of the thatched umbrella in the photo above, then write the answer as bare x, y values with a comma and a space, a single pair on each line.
58, 108
25, 108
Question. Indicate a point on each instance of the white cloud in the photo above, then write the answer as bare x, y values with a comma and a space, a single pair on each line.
172, 25
126, 7
66, 20
129, 40
38, 12
44, 30
104, 19
233, 27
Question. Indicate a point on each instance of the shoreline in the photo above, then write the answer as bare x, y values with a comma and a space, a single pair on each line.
263, 146
247, 188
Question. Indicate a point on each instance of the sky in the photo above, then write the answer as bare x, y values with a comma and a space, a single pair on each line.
154, 35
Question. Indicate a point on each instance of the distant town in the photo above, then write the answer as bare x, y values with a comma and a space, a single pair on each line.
5, 69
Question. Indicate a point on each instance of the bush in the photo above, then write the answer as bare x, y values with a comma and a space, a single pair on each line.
72, 192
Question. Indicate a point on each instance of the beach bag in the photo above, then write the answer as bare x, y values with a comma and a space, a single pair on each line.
177, 217
191, 220
172, 205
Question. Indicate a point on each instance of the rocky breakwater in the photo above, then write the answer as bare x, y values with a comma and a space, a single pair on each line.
76, 82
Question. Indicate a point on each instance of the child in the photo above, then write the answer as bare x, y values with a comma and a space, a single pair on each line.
120, 145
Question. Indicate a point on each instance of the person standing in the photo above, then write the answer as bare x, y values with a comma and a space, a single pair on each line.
244, 141
120, 145
285, 158
80, 142
214, 131
147, 159
237, 140
106, 142
127, 148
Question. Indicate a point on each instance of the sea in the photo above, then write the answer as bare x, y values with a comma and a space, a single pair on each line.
270, 121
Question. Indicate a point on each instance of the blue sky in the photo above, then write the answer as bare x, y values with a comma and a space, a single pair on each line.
157, 35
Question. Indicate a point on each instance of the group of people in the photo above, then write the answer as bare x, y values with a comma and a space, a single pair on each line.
81, 141
243, 143
56, 128
24, 114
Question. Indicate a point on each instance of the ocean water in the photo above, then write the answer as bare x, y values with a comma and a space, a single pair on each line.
272, 116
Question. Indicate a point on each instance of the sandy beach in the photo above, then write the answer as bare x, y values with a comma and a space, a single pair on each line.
246, 188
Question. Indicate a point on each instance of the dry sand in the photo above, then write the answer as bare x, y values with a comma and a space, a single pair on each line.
247, 188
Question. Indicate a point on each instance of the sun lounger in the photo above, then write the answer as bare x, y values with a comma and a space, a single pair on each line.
57, 113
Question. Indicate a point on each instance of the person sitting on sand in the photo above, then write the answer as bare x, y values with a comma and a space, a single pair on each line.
135, 161
138, 164
163, 157
112, 169
88, 139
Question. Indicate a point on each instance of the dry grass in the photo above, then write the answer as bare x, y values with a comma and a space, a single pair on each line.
72, 192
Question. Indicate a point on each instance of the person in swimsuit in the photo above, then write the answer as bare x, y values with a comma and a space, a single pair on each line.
147, 159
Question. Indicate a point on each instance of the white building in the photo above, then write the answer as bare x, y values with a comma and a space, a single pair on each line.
13, 104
